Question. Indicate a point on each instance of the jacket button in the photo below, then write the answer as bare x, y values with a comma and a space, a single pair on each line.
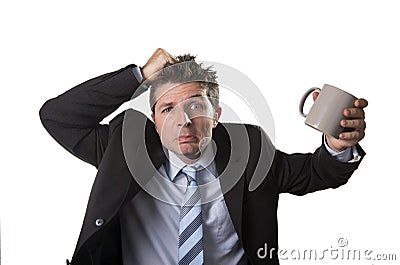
99, 222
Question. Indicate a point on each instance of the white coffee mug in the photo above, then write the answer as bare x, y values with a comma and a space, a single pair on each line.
327, 111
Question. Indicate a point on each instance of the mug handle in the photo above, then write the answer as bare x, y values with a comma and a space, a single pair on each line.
303, 100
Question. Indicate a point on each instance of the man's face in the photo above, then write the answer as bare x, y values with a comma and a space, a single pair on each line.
184, 119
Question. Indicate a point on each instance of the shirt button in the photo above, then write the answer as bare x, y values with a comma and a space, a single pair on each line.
99, 222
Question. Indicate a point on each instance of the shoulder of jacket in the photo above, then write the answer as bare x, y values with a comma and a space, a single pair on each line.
131, 116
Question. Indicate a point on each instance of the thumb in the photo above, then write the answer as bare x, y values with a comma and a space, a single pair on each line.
315, 95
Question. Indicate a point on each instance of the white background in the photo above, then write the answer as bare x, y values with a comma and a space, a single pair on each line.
285, 47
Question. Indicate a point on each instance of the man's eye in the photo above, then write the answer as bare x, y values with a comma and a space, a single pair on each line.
166, 110
196, 106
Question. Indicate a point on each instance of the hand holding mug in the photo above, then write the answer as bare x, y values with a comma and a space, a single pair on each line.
354, 125
338, 114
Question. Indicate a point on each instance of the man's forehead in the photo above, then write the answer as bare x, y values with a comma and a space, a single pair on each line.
171, 90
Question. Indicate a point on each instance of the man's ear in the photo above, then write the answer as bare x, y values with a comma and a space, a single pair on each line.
217, 115
154, 121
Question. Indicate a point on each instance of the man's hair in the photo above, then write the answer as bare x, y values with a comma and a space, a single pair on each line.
186, 70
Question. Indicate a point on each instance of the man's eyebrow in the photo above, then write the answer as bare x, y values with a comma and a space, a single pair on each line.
196, 95
166, 104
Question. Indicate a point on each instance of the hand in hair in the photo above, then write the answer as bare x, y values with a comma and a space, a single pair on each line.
157, 61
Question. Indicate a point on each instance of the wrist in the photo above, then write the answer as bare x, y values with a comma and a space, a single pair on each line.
330, 141
145, 72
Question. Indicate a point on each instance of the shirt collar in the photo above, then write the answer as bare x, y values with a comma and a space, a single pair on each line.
175, 164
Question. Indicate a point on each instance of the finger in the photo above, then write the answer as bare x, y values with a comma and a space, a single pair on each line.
355, 136
159, 52
166, 56
315, 95
354, 113
358, 124
173, 58
170, 58
361, 103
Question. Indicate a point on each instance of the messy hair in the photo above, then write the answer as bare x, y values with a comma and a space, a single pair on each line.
185, 70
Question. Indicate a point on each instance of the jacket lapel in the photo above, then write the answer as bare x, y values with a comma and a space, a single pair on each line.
231, 160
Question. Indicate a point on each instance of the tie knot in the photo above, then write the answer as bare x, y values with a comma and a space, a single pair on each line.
191, 173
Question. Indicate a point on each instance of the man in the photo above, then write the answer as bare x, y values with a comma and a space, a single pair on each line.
151, 202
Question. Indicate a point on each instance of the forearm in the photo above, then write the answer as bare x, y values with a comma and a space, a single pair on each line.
73, 118
304, 173
88, 103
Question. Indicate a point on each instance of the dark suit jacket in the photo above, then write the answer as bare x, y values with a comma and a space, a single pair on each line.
73, 120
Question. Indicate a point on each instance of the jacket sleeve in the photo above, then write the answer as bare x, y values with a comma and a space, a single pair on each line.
304, 173
73, 118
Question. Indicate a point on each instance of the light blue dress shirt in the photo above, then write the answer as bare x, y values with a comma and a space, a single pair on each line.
150, 227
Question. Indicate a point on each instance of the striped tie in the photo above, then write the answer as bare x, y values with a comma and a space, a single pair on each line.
191, 222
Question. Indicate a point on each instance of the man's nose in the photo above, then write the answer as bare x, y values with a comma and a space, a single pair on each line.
183, 118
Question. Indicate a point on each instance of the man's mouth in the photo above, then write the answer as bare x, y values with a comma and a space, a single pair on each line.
187, 138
